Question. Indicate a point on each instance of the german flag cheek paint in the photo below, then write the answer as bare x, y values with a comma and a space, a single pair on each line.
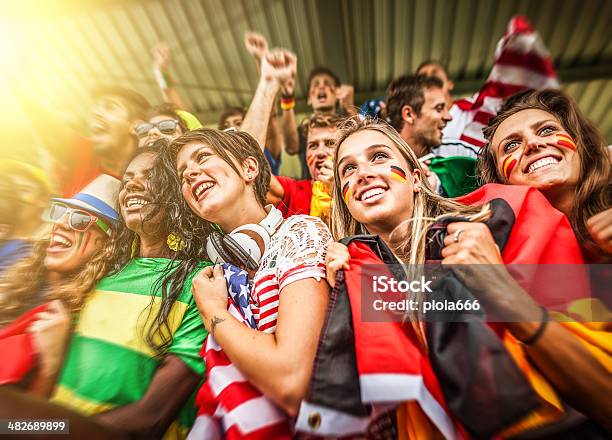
398, 174
346, 192
508, 165
565, 141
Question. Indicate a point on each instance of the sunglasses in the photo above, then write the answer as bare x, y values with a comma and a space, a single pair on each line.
167, 126
78, 219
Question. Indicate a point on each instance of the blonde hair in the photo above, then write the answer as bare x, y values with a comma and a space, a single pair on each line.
408, 242
428, 206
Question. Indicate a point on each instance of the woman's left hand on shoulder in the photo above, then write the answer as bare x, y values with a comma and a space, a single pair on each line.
470, 243
209, 290
600, 228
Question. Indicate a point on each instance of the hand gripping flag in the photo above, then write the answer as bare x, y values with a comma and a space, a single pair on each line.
475, 380
228, 405
540, 239
363, 369
521, 62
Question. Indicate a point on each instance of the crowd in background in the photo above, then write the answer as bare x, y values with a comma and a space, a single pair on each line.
168, 280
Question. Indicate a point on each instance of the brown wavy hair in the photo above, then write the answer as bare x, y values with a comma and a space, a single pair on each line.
24, 285
593, 194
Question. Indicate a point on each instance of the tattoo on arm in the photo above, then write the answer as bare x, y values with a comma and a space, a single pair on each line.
213, 324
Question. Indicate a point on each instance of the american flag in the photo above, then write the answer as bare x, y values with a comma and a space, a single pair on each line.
228, 405
521, 62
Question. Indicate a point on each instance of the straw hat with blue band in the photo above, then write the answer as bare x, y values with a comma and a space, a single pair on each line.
98, 198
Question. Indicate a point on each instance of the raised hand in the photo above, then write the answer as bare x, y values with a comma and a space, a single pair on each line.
288, 87
278, 65
345, 95
161, 57
256, 45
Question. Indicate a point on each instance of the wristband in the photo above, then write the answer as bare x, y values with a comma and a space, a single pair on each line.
162, 78
540, 331
287, 103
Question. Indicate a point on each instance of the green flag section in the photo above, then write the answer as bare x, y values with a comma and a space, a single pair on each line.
457, 174
109, 362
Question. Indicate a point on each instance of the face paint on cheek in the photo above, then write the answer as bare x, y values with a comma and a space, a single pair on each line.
79, 245
310, 160
346, 192
564, 140
508, 165
398, 174
87, 238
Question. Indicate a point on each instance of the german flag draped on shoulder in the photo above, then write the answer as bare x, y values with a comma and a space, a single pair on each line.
450, 385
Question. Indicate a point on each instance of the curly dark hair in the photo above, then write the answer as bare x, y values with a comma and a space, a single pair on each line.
182, 221
119, 249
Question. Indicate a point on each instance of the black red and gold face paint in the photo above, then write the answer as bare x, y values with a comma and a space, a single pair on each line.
346, 192
398, 174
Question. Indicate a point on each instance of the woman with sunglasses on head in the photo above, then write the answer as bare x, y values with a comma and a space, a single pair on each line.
369, 198
542, 139
224, 178
133, 360
56, 272
164, 121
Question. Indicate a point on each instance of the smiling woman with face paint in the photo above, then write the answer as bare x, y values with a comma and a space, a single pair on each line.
56, 271
542, 139
378, 186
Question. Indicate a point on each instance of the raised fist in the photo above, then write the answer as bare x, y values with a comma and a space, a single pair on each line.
161, 56
279, 65
345, 94
256, 44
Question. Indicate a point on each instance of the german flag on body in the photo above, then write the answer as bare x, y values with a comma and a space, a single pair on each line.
398, 174
346, 192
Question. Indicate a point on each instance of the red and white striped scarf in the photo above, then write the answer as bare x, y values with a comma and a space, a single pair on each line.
521, 62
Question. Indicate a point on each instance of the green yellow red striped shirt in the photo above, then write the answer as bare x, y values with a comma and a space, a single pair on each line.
109, 363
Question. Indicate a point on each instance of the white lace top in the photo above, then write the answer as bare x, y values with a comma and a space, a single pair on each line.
296, 251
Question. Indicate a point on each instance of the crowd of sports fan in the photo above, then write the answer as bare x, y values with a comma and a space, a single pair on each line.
170, 281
